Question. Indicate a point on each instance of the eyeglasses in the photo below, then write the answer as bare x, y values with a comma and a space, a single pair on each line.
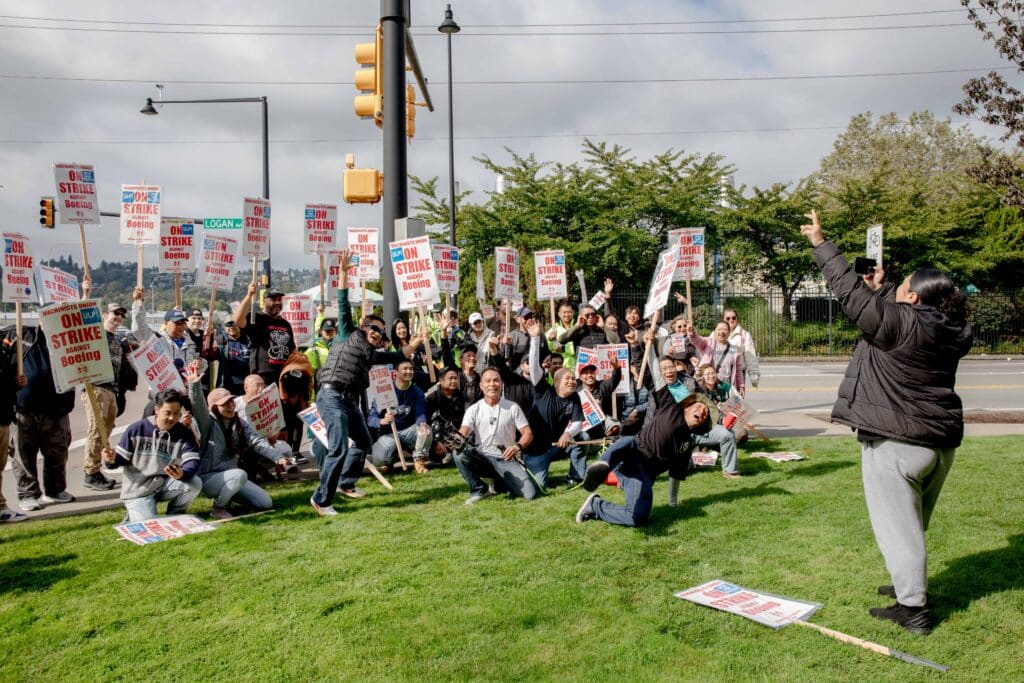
590, 315
731, 317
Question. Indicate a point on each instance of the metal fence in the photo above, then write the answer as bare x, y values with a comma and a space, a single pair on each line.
816, 326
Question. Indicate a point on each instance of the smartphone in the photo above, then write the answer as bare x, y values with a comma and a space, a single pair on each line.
864, 266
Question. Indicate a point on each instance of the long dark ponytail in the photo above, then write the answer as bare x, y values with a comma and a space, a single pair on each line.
934, 288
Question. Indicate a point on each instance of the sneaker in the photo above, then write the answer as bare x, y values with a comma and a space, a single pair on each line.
595, 475
917, 620
477, 497
355, 493
62, 497
586, 511
9, 516
97, 482
890, 592
420, 465
732, 475
29, 504
299, 459
221, 513
327, 511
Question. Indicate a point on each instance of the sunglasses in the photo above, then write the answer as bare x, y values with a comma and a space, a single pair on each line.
375, 328
730, 317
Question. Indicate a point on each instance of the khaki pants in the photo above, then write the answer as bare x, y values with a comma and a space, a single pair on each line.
5, 445
106, 401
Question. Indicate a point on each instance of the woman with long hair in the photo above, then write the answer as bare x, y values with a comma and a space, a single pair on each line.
898, 394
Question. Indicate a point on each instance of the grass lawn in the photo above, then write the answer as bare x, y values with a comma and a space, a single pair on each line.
414, 585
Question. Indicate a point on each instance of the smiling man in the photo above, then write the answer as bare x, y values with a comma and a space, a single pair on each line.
271, 335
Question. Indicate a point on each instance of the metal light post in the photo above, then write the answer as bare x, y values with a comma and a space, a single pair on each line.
150, 110
448, 27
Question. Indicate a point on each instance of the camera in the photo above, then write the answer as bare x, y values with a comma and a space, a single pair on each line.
864, 266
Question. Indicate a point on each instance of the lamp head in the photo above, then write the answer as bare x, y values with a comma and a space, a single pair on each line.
448, 25
149, 109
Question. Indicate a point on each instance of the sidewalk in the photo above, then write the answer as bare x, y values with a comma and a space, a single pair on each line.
772, 425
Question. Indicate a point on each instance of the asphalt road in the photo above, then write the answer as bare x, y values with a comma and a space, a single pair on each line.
810, 388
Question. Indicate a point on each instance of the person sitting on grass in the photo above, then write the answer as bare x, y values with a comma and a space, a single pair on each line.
664, 443
410, 419
494, 421
160, 458
223, 438
719, 438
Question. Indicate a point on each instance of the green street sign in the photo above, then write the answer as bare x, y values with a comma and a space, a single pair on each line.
222, 223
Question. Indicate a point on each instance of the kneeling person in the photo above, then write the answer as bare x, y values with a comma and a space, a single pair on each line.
494, 421
160, 459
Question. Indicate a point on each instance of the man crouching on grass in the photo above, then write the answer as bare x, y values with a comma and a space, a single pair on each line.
160, 459
664, 443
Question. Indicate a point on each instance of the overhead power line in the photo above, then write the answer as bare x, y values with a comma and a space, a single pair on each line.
596, 81
489, 34
686, 22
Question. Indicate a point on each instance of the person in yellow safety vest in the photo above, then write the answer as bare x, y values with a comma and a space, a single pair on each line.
317, 353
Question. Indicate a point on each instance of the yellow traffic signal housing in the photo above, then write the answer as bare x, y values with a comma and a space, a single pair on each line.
370, 79
46, 212
361, 185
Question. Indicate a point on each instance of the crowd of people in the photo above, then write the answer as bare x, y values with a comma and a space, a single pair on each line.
500, 402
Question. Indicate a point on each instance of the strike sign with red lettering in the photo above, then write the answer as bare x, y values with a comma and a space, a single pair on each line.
264, 412
690, 241
297, 309
18, 283
413, 264
662, 282
78, 344
217, 266
76, 194
177, 245
549, 269
363, 241
334, 271
57, 286
610, 356
321, 226
506, 273
140, 214
156, 366
381, 390
256, 228
446, 266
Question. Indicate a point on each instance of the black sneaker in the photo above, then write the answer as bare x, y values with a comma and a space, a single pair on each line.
586, 511
596, 474
917, 620
97, 482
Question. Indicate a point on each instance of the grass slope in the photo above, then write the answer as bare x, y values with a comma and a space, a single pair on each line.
413, 585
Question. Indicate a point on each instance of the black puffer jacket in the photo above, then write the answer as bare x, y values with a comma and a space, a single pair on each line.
900, 382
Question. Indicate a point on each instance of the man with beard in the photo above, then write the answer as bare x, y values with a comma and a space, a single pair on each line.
271, 335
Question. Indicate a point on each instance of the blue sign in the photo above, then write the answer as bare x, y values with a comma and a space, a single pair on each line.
127, 196
91, 315
397, 254
310, 214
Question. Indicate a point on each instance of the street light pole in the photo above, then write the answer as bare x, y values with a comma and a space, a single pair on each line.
448, 27
150, 110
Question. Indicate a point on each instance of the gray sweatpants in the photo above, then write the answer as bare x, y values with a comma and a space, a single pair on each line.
901, 484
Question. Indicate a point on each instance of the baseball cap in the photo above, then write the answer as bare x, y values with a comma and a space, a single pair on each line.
524, 312
195, 312
273, 293
173, 316
219, 397
475, 317
329, 324
230, 323
588, 368
115, 308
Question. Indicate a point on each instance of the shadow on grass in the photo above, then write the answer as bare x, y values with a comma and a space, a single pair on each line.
664, 518
34, 573
972, 577
819, 469
297, 501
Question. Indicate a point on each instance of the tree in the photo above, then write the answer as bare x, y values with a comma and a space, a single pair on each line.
762, 241
609, 212
998, 102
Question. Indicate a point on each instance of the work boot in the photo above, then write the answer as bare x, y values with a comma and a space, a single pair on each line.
917, 620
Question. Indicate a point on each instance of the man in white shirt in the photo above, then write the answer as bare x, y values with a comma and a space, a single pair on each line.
494, 421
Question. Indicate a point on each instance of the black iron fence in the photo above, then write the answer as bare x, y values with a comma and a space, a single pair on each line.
815, 325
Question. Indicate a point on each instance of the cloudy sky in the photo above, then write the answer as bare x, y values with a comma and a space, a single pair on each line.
718, 77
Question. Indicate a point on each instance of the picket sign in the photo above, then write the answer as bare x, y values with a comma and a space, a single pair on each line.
156, 367
311, 418
264, 412
381, 392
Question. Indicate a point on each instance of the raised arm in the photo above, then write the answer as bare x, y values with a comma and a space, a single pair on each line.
536, 371
140, 328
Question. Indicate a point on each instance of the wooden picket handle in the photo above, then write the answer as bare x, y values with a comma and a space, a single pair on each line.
252, 308
238, 517
177, 290
322, 300
17, 328
85, 252
380, 477
874, 647
398, 443
647, 351
552, 312
426, 343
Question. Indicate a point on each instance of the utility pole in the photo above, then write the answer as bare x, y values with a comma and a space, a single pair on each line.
394, 18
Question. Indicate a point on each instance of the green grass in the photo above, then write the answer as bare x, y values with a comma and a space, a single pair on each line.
413, 585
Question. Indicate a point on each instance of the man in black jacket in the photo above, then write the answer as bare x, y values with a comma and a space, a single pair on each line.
41, 425
664, 443
344, 378
10, 382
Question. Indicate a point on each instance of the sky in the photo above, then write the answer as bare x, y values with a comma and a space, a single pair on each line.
705, 77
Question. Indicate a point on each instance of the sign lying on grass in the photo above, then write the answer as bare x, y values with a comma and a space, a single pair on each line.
787, 456
704, 458
162, 529
770, 610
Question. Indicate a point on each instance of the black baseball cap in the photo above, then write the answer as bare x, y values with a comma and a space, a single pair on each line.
329, 324
273, 293
196, 312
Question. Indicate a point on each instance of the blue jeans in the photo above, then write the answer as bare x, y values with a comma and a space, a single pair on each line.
539, 464
231, 484
474, 465
637, 483
177, 492
339, 464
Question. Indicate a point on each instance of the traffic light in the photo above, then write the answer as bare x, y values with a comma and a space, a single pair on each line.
361, 185
370, 79
46, 212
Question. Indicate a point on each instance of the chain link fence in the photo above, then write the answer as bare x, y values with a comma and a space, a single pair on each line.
815, 324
